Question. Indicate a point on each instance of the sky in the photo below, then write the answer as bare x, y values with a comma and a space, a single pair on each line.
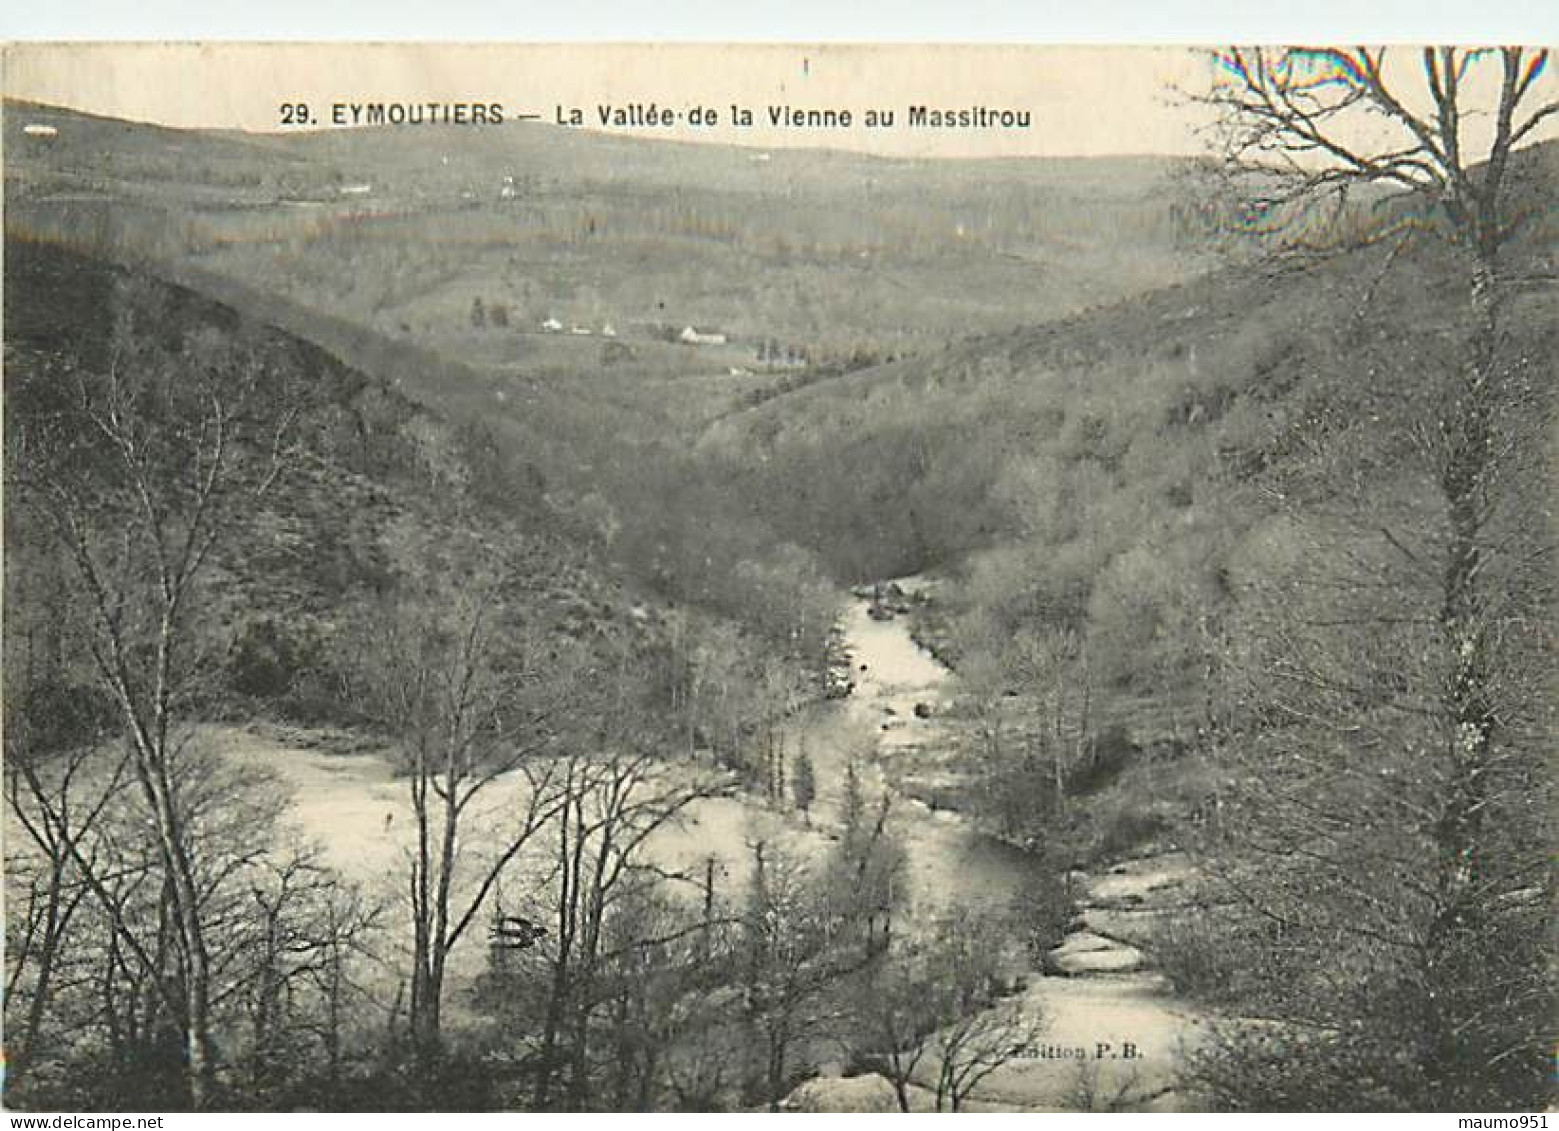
1082, 100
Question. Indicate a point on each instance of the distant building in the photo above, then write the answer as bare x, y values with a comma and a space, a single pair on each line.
772, 357
38, 129
696, 337
552, 326
608, 331
355, 190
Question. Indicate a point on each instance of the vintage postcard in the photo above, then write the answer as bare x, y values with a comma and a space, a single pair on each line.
638, 578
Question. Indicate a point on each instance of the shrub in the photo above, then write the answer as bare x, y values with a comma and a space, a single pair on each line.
1193, 953
267, 659
1127, 829
1109, 753
55, 715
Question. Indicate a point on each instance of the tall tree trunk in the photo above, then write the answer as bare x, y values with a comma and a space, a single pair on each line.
183, 896
56, 916
1468, 703
546, 1058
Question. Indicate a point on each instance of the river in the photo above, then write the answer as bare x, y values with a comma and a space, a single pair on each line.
1113, 1032
950, 863
352, 804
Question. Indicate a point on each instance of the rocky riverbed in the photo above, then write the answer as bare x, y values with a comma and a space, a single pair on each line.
1113, 1031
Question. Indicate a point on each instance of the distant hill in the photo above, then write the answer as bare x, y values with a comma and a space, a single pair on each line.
1150, 360
385, 496
534, 281
1100, 470
826, 258
1011, 371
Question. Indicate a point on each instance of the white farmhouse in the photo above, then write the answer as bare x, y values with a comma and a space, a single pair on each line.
695, 337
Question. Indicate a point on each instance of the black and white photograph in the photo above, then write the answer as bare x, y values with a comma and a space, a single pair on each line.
757, 577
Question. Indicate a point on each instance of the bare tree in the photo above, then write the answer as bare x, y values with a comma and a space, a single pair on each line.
934, 1012
972, 1048
1391, 833
894, 1018
106, 965
472, 699
666, 1007
611, 804
1307, 134
48, 803
793, 955
137, 470
1030, 699
863, 879
298, 927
